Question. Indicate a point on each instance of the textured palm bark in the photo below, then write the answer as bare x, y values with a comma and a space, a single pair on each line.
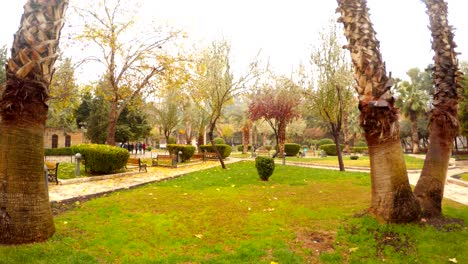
25, 214
392, 198
444, 124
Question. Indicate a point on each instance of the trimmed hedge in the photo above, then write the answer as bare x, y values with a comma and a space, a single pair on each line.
265, 167
59, 152
291, 149
359, 149
325, 141
187, 150
241, 148
330, 149
102, 158
224, 150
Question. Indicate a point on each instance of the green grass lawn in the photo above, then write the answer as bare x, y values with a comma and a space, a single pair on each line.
302, 215
464, 177
363, 161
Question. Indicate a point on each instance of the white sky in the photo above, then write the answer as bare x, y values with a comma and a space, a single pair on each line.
285, 30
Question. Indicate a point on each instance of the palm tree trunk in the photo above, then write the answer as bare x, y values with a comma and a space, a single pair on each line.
25, 214
444, 124
392, 198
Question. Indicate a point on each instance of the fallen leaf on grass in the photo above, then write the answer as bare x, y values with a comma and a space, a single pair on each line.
453, 260
200, 236
353, 249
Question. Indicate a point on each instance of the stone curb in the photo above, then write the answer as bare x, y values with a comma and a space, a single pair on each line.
98, 178
457, 182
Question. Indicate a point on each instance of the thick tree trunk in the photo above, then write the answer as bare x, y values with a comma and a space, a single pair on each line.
25, 213
336, 137
281, 138
392, 198
444, 124
414, 132
111, 127
245, 138
430, 187
210, 136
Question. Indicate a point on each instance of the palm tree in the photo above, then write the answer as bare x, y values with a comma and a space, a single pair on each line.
444, 124
392, 198
413, 103
25, 213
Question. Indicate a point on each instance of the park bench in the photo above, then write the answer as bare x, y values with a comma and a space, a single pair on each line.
210, 155
197, 157
165, 160
52, 171
136, 162
263, 152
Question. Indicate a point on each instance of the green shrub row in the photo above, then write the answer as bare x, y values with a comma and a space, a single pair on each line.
359, 149
241, 148
330, 149
59, 152
102, 158
224, 150
265, 167
325, 141
187, 150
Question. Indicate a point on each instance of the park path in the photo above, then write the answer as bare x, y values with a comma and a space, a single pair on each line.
76, 188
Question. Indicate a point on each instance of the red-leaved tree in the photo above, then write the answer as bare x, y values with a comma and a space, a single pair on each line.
278, 107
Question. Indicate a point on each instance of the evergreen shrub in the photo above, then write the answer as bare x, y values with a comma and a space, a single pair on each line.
265, 167
224, 150
291, 149
187, 150
325, 141
330, 149
219, 140
59, 152
102, 158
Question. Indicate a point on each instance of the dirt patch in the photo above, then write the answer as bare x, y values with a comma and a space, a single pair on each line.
317, 242
444, 223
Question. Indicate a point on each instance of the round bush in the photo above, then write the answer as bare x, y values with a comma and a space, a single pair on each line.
172, 140
330, 149
149, 148
241, 148
224, 150
102, 158
354, 157
325, 141
187, 150
291, 149
219, 140
265, 167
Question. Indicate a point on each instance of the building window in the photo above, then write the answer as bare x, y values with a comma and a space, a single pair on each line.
67, 141
54, 141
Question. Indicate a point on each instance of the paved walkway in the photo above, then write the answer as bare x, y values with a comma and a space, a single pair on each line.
75, 188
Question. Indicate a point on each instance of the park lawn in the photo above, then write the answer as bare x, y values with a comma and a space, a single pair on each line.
412, 163
302, 215
464, 177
